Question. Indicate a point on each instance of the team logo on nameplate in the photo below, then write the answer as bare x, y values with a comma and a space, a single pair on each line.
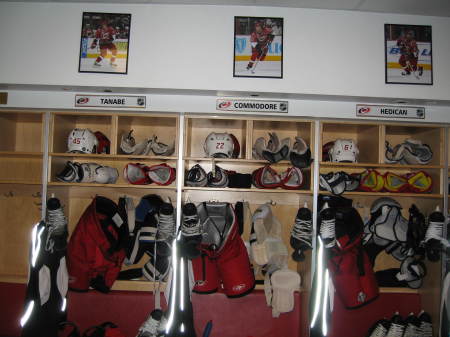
248, 105
110, 101
389, 111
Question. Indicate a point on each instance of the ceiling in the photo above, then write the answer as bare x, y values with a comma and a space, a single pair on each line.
418, 7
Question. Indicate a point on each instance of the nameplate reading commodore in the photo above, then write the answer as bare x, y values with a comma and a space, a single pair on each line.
110, 101
388, 111
242, 105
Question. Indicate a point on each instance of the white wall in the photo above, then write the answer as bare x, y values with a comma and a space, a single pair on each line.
191, 47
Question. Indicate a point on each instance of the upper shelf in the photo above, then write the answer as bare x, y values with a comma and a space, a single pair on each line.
21, 132
382, 165
112, 156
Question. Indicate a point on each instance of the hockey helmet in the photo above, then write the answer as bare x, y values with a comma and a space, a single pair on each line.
82, 141
344, 150
221, 145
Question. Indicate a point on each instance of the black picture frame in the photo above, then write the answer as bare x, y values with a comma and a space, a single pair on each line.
245, 54
103, 27
408, 54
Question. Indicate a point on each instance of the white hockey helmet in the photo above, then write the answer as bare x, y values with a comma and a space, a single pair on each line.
82, 141
221, 145
344, 150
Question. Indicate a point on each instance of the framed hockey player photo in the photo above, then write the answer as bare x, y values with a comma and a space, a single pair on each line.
105, 40
258, 47
408, 54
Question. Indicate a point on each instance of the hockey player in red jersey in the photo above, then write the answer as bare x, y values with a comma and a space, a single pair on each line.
260, 40
104, 37
409, 52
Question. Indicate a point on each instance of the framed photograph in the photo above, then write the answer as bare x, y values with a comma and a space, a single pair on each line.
408, 52
105, 39
258, 47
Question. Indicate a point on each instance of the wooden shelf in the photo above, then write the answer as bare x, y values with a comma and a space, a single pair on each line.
112, 156
14, 278
20, 154
151, 186
257, 190
21, 182
381, 165
241, 161
389, 194
136, 285
144, 285
386, 290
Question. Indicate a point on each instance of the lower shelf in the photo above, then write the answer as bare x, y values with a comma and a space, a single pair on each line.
155, 187
142, 285
389, 194
21, 182
257, 190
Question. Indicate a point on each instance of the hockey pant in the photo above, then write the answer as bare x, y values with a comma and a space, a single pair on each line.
227, 270
406, 60
352, 273
259, 52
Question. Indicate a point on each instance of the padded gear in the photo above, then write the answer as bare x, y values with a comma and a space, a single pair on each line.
70, 173
137, 174
218, 179
412, 271
391, 225
106, 175
371, 181
196, 176
104, 145
161, 149
162, 174
128, 145
276, 151
333, 182
300, 155
411, 151
284, 283
326, 150
266, 177
292, 178
395, 183
419, 182
224, 258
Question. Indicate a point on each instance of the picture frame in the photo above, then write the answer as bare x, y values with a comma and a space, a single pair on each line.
104, 43
408, 54
258, 47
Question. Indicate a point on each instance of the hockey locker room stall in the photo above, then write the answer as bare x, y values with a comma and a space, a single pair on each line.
33, 150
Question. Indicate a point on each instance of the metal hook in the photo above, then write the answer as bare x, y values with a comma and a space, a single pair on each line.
9, 194
36, 195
